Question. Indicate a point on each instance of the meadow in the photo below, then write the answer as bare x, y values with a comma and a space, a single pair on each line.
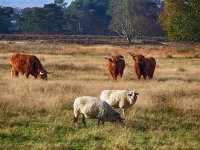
36, 114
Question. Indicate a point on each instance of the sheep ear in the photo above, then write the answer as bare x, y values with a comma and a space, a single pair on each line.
136, 93
129, 94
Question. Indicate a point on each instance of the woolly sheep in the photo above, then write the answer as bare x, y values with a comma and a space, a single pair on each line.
119, 98
94, 108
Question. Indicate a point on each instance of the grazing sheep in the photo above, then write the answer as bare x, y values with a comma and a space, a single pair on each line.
119, 98
91, 107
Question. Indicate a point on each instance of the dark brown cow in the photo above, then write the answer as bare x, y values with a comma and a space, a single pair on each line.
27, 64
144, 66
116, 66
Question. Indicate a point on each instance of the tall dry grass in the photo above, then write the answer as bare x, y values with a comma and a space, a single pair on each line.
82, 70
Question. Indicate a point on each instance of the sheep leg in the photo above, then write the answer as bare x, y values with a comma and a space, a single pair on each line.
75, 120
101, 121
98, 122
123, 112
83, 120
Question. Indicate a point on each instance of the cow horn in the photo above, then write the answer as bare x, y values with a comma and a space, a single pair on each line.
107, 58
122, 58
132, 54
41, 72
50, 72
147, 52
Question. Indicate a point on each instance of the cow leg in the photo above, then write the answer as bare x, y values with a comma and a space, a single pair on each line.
116, 74
116, 77
139, 77
145, 77
15, 73
150, 77
112, 75
121, 74
27, 75
12, 72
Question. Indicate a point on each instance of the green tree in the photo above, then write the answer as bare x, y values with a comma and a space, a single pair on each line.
87, 17
46, 20
5, 19
25, 20
54, 19
181, 20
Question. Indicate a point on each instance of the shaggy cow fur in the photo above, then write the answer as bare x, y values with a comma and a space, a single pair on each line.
144, 66
116, 66
28, 65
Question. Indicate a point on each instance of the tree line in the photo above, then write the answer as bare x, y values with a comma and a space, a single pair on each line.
179, 20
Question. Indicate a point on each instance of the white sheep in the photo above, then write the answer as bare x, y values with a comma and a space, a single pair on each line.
91, 107
119, 98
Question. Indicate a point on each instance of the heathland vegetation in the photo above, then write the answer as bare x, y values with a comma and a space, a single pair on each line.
36, 114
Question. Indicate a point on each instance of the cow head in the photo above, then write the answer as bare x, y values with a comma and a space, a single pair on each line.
139, 59
42, 74
132, 96
114, 60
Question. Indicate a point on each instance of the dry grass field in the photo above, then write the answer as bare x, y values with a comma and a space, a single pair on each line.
37, 114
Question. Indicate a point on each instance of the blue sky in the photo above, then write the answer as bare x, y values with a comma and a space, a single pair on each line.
27, 3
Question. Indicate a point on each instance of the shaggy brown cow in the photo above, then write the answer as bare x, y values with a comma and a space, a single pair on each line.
116, 66
27, 64
144, 66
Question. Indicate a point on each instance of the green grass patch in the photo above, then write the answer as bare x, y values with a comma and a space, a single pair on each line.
162, 127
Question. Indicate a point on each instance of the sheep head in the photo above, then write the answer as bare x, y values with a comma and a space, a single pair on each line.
118, 119
132, 96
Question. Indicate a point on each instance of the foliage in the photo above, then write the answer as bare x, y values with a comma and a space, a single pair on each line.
181, 20
46, 20
87, 17
5, 19
136, 17
100, 17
